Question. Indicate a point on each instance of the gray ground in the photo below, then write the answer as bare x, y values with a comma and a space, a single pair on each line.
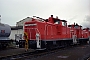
74, 53
10, 52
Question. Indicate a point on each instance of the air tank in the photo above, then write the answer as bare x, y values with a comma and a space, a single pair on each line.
5, 30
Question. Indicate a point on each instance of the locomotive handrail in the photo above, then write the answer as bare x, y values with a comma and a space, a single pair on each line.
25, 35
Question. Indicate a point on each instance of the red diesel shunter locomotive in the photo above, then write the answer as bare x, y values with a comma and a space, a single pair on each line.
53, 33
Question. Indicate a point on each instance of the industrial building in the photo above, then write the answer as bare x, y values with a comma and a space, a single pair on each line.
17, 31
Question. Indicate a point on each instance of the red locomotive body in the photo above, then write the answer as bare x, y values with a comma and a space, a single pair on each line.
53, 33
86, 34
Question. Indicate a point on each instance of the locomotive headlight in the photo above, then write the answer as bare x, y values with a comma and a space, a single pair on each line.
37, 35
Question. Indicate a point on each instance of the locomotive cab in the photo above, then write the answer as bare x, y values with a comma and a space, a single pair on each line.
57, 21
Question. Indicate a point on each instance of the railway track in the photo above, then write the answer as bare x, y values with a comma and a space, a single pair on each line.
35, 54
17, 56
85, 57
88, 58
29, 55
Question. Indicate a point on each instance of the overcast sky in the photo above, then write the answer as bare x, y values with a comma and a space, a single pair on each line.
12, 11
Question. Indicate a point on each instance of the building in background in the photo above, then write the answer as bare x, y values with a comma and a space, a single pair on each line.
17, 31
21, 22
